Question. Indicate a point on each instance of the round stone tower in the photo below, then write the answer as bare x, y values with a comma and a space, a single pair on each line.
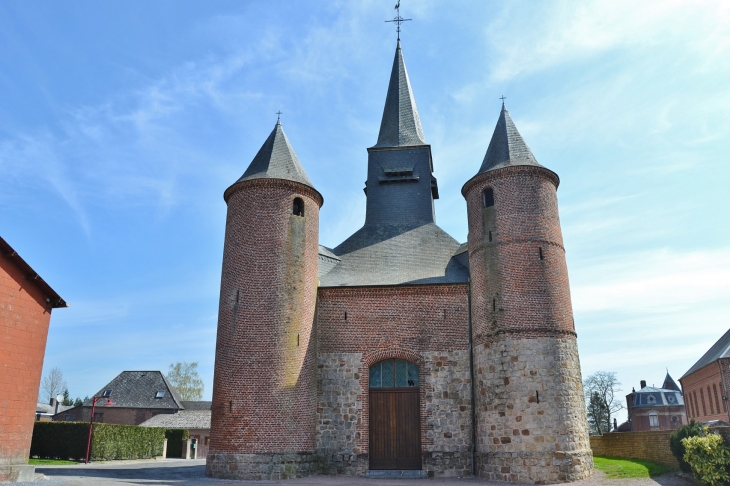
531, 420
264, 389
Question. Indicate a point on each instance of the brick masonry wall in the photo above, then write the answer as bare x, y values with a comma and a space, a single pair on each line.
531, 417
264, 389
111, 414
670, 418
651, 445
703, 392
24, 319
427, 325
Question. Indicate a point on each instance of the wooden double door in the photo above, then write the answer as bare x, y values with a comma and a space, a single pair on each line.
395, 428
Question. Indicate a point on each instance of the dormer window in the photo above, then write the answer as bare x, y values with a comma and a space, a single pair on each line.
160, 394
107, 393
651, 399
488, 198
298, 207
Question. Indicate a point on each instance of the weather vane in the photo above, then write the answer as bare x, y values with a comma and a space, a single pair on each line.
398, 19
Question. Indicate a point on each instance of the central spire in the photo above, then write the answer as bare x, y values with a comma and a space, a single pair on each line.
401, 125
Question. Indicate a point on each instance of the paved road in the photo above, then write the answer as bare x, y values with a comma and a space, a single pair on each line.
192, 473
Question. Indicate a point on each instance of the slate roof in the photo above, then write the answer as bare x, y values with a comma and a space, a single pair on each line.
184, 419
669, 384
53, 299
507, 147
396, 254
661, 397
401, 125
276, 160
137, 389
51, 409
197, 405
721, 349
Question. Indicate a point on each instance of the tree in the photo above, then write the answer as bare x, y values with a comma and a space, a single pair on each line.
597, 414
605, 387
184, 377
52, 384
67, 399
78, 402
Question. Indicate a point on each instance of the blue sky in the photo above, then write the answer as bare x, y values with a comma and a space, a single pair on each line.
121, 124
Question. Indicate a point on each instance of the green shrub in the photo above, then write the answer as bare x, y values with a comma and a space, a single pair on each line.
174, 441
692, 429
68, 440
709, 458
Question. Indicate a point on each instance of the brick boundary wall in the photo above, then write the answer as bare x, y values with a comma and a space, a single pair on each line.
651, 445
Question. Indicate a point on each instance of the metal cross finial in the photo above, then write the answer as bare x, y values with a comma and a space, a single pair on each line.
398, 19
278, 116
503, 97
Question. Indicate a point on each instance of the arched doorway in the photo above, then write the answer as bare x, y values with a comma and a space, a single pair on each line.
395, 415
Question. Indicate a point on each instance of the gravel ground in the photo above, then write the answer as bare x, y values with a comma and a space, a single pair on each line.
192, 473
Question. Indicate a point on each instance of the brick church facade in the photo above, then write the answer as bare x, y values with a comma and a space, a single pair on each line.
400, 351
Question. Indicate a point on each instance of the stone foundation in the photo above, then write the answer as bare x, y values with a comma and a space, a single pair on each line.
447, 464
535, 467
261, 466
16, 473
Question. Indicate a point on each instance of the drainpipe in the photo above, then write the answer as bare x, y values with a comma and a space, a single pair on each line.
473, 394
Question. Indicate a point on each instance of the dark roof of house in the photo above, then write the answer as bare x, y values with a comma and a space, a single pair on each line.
401, 125
184, 419
197, 405
653, 397
507, 147
51, 409
396, 254
138, 389
669, 384
53, 299
276, 160
721, 349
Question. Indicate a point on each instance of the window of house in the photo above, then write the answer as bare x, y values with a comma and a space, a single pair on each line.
69, 417
393, 373
298, 207
160, 394
107, 393
653, 419
651, 399
98, 417
488, 198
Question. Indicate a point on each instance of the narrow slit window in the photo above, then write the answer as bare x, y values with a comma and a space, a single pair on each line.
490, 236
541, 256
494, 304
298, 207
488, 198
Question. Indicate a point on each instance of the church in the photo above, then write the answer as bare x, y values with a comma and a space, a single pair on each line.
401, 352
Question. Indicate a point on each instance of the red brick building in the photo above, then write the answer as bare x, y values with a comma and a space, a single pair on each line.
400, 352
706, 383
26, 302
652, 408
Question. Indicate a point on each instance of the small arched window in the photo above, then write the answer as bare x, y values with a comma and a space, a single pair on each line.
488, 198
298, 207
393, 373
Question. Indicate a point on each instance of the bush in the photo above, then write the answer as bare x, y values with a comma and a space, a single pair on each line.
693, 429
174, 441
68, 440
709, 458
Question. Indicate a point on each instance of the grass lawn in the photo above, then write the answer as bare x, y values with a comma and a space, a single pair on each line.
620, 468
50, 462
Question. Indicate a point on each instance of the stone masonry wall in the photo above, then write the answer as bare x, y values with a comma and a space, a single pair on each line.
650, 445
358, 327
532, 424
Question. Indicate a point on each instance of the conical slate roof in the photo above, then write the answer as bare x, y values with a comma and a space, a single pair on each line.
401, 125
507, 148
276, 160
669, 383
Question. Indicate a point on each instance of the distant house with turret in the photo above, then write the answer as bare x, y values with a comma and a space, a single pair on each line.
652, 408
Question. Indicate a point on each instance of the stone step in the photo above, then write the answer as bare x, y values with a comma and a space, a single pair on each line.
396, 473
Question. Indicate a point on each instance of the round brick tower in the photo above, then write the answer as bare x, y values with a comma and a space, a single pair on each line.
531, 420
264, 389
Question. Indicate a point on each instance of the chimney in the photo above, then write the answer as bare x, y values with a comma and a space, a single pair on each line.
52, 401
643, 383
615, 425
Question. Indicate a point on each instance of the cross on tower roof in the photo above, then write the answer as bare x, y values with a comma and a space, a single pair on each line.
398, 19
278, 116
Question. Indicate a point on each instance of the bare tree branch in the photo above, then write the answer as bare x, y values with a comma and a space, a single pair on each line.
601, 388
52, 384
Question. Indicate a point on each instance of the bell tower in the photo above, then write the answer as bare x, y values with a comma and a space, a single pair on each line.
530, 413
264, 390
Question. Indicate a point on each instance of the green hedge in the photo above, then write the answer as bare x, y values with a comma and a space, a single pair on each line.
174, 441
67, 440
